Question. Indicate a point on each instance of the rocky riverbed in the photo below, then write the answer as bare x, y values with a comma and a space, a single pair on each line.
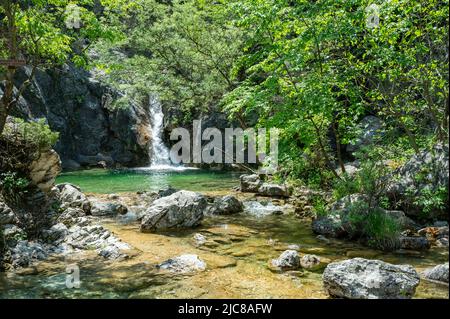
239, 252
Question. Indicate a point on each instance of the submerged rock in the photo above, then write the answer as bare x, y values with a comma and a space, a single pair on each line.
167, 191
183, 209
253, 184
199, 239
250, 183
414, 243
263, 209
438, 273
183, 264
288, 260
310, 261
25, 252
273, 190
108, 209
330, 225
226, 205
370, 279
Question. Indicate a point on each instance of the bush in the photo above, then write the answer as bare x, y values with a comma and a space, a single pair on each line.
320, 207
431, 200
309, 167
370, 180
36, 133
13, 187
21, 143
374, 225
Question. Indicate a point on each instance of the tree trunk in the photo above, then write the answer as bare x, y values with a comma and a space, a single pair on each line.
3, 116
8, 92
338, 147
322, 149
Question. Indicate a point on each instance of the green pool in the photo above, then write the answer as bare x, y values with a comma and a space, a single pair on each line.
133, 180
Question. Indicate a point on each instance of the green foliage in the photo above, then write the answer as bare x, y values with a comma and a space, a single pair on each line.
45, 38
182, 50
380, 230
370, 180
308, 167
345, 186
429, 200
303, 67
320, 207
13, 187
34, 133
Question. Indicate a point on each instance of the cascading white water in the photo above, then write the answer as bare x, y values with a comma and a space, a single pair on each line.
160, 156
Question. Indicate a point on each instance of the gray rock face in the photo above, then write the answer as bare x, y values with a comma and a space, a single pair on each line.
334, 224
360, 278
108, 209
261, 209
45, 169
71, 196
25, 252
250, 183
414, 243
183, 209
226, 205
369, 127
183, 264
70, 216
199, 239
86, 235
428, 170
310, 261
330, 226
402, 220
13, 234
289, 259
91, 129
346, 202
167, 191
6, 214
56, 234
253, 184
438, 273
273, 190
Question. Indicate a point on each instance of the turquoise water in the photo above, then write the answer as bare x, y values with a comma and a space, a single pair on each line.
117, 181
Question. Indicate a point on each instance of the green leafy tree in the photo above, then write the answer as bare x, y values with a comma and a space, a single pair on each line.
183, 51
44, 34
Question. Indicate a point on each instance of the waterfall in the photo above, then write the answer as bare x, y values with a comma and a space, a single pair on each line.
159, 153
